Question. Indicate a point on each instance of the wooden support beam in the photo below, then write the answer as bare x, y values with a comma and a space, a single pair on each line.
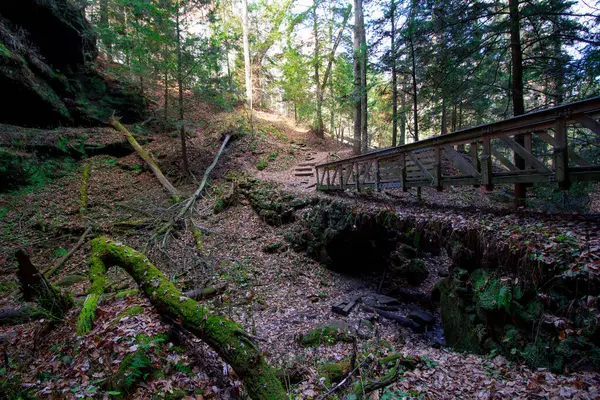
486, 164
520, 150
350, 174
576, 158
403, 172
356, 175
527, 146
328, 178
418, 163
590, 123
377, 176
437, 169
503, 160
335, 172
341, 168
367, 173
561, 154
459, 161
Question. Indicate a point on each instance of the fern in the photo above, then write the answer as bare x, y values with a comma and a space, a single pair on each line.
505, 298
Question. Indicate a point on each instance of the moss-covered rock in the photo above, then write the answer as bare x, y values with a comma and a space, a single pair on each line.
327, 333
414, 271
334, 372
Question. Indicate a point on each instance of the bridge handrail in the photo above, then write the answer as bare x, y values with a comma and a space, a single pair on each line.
526, 122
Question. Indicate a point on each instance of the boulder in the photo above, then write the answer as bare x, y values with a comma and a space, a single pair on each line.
47, 49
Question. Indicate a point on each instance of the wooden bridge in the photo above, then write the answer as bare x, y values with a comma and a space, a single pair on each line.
541, 139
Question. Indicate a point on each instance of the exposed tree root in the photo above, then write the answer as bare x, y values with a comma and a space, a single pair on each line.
146, 157
227, 338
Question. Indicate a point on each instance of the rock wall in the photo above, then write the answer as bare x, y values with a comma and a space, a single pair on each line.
497, 298
47, 73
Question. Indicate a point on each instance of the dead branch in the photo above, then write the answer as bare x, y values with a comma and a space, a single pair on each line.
145, 156
188, 204
367, 359
52, 270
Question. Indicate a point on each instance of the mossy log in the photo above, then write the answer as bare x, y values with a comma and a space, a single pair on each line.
226, 337
36, 288
146, 157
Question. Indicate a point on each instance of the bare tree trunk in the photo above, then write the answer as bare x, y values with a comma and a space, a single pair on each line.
318, 123
104, 25
517, 89
186, 167
363, 83
394, 74
357, 67
402, 116
247, 66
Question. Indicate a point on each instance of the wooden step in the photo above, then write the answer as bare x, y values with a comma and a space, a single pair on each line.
307, 164
300, 169
303, 174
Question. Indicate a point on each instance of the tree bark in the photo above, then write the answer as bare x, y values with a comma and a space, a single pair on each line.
224, 336
247, 66
318, 124
520, 189
356, 93
186, 167
394, 74
363, 84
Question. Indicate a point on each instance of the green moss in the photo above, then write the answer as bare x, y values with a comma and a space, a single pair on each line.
262, 165
4, 51
127, 293
199, 238
327, 333
334, 372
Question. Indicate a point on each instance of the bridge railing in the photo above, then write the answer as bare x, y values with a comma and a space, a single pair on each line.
492, 149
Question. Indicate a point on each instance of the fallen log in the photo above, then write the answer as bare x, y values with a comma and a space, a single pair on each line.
399, 318
36, 288
21, 315
224, 336
145, 156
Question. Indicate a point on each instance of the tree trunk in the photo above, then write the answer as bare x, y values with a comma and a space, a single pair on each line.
186, 167
104, 25
166, 111
247, 66
520, 189
394, 74
402, 116
318, 123
224, 336
364, 138
357, 75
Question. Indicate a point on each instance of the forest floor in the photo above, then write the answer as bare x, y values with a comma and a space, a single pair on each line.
275, 296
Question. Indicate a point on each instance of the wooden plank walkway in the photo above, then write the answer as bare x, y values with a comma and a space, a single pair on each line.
490, 157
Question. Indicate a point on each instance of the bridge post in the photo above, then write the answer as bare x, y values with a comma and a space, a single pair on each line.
486, 164
475, 157
341, 167
437, 169
403, 172
356, 175
561, 154
377, 176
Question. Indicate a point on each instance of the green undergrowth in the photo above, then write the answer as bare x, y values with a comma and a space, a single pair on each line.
25, 172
